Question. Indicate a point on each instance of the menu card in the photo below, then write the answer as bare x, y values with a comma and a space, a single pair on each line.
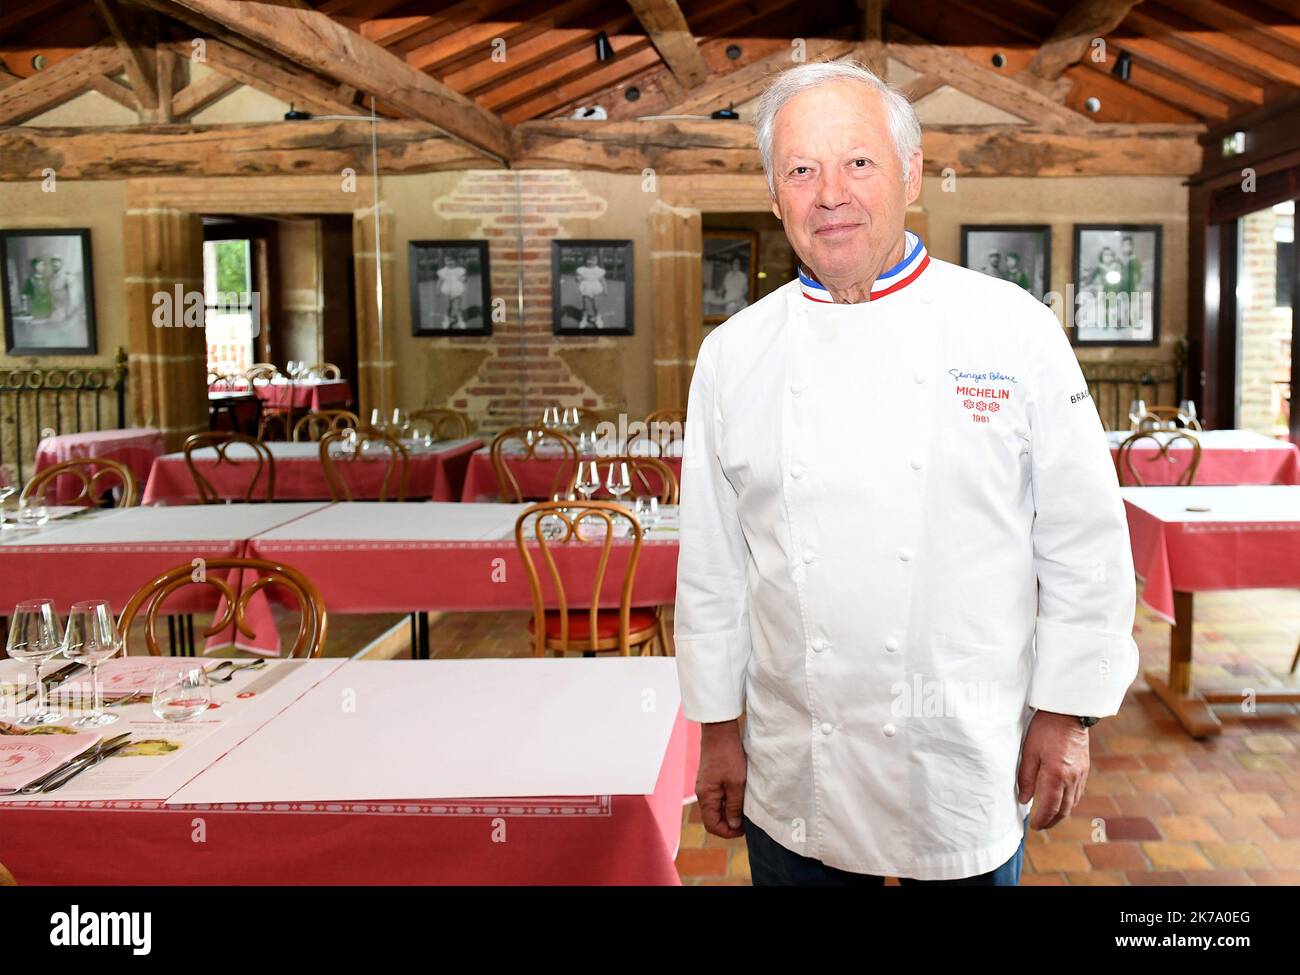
25, 758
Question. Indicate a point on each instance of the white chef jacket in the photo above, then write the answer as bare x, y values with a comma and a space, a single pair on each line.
901, 531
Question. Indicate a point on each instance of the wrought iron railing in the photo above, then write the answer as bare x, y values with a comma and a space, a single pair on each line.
39, 400
1114, 385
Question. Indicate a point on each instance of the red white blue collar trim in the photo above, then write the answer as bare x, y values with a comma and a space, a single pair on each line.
899, 276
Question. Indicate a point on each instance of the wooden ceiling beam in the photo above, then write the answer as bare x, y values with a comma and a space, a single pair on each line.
1160, 22
1073, 35
198, 95
974, 79
1194, 71
666, 26
311, 39
116, 91
135, 43
873, 51
290, 85
57, 83
1279, 40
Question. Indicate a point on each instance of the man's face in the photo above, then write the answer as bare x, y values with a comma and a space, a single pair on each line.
840, 191
1126, 247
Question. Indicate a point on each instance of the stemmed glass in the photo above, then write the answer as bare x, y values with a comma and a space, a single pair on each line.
551, 417
91, 639
180, 696
617, 483
646, 510
377, 418
588, 482
1137, 409
33, 511
569, 420
1187, 412
401, 423
35, 635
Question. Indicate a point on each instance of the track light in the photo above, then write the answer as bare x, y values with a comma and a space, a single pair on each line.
1123, 66
604, 52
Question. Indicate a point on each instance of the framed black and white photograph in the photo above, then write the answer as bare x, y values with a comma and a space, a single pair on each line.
1019, 253
49, 295
591, 287
450, 287
729, 272
1117, 284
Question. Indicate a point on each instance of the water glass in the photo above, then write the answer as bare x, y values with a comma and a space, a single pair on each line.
35, 635
1137, 409
91, 638
182, 695
6, 491
646, 510
617, 483
33, 511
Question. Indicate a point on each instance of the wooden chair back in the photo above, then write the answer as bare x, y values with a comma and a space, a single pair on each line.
1163, 441
324, 370
1162, 416
261, 462
364, 445
90, 471
650, 477
444, 424
150, 597
537, 441
313, 426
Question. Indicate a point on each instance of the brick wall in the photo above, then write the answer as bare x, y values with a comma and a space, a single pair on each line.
1264, 349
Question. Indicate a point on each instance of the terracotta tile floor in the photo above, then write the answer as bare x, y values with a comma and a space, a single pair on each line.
1161, 808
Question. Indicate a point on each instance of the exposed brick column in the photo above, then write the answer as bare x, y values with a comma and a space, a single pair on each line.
168, 363
676, 241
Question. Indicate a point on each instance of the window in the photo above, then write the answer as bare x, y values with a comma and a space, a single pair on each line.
232, 314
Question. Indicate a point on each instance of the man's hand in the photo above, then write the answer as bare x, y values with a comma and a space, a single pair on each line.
720, 782
1054, 764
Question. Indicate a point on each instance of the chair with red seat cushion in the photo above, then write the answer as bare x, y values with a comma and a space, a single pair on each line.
584, 532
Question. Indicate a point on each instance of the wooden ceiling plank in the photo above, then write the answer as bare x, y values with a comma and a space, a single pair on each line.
57, 83
311, 39
1171, 89
485, 19
1248, 24
1155, 21
666, 26
1121, 102
1193, 70
1072, 37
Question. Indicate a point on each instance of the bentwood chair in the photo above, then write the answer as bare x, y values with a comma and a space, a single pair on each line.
324, 370
275, 424
261, 372
538, 443
364, 445
236, 450
552, 526
1163, 442
150, 598
313, 426
90, 471
444, 424
649, 476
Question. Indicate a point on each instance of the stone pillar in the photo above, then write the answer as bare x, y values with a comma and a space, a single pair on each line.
676, 246
168, 358
376, 340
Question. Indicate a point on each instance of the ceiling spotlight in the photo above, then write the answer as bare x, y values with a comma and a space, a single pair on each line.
631, 93
1092, 104
604, 52
729, 113
733, 52
294, 115
1123, 66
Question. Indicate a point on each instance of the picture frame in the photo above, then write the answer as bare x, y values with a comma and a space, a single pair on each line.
47, 277
728, 264
1020, 253
451, 288
1117, 284
591, 287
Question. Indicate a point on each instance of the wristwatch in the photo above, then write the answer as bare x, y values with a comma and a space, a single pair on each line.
1088, 722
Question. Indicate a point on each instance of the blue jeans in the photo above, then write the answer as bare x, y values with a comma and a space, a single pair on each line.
772, 865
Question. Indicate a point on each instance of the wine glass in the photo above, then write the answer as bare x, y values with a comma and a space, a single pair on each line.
551, 417
646, 510
182, 695
377, 418
1187, 412
570, 419
401, 423
91, 639
6, 491
1137, 409
35, 635
33, 511
588, 482
617, 482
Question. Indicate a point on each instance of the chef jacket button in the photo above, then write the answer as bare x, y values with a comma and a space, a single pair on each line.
889, 730
820, 645
796, 471
798, 386
927, 298
827, 727
905, 555
916, 463
809, 555
891, 645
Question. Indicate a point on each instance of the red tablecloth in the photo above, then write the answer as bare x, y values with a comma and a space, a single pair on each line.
136, 447
327, 394
564, 840
1174, 549
299, 476
535, 475
1278, 465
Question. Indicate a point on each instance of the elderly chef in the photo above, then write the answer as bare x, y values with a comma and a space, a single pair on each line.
904, 555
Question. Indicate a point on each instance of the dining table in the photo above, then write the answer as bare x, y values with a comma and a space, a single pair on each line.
338, 771
295, 394
1227, 457
434, 471
537, 475
135, 447
1194, 539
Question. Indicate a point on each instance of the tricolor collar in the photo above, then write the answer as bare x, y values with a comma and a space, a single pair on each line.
899, 276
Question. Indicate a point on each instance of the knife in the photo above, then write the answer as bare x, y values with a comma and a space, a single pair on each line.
85, 756
94, 760
62, 674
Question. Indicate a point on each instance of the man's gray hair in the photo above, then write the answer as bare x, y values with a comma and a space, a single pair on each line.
903, 123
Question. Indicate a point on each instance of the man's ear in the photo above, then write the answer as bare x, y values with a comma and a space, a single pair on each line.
776, 209
914, 169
